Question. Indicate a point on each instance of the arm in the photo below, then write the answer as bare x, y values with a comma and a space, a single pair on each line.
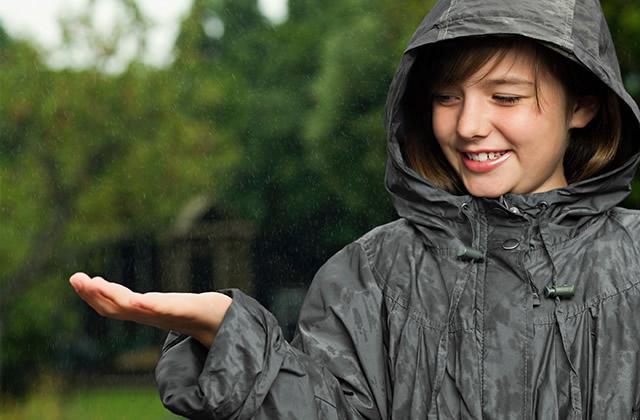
335, 369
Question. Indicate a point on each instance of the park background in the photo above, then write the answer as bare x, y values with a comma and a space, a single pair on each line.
247, 159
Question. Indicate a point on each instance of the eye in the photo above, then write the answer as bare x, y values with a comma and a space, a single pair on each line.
444, 99
508, 100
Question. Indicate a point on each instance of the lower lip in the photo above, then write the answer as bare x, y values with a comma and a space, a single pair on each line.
484, 166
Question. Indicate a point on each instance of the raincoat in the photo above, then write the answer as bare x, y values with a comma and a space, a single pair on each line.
436, 315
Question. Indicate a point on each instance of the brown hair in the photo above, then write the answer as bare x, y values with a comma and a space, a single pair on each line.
591, 149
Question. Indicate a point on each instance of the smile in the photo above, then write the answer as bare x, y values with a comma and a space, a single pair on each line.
481, 157
484, 161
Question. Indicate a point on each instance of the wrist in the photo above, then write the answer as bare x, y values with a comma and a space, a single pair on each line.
215, 307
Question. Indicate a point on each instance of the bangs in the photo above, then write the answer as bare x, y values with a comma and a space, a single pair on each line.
452, 64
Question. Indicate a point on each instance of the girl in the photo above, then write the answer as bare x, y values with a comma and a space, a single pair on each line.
507, 289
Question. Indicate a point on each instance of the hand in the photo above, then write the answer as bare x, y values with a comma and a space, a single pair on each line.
196, 314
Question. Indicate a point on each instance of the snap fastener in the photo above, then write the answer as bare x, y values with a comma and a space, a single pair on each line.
543, 205
510, 244
465, 206
514, 210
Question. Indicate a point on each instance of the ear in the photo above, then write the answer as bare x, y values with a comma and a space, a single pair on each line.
584, 110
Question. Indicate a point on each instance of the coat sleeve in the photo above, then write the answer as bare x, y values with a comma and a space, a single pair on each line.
334, 369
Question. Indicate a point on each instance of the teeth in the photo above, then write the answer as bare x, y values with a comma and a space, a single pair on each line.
481, 157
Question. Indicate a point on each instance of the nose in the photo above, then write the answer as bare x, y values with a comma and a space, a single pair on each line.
473, 120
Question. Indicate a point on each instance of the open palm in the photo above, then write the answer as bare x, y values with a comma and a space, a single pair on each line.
196, 314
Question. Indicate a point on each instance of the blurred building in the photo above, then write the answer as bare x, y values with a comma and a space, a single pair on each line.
207, 249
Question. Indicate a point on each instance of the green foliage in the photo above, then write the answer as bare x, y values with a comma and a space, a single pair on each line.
101, 403
624, 22
28, 343
345, 136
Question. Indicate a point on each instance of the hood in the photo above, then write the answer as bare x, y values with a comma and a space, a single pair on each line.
576, 29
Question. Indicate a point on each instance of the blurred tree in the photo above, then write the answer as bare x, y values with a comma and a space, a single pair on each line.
344, 131
87, 157
262, 74
623, 17
303, 101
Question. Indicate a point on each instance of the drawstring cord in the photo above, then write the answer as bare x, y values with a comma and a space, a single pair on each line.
522, 262
561, 318
442, 354
443, 344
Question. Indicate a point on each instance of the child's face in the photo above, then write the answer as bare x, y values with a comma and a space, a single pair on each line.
496, 136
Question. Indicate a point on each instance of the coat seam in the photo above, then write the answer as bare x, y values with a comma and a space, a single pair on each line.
564, 42
446, 19
524, 374
612, 216
422, 319
325, 401
569, 16
483, 235
368, 258
527, 311
417, 316
492, 18
567, 242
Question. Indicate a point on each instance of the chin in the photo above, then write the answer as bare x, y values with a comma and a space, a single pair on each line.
485, 191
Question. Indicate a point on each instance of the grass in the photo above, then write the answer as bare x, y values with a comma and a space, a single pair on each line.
104, 403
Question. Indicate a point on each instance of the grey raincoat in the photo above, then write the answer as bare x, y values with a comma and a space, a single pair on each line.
433, 316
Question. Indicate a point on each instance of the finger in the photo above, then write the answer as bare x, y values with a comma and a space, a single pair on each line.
106, 298
115, 292
77, 280
88, 285
98, 302
87, 293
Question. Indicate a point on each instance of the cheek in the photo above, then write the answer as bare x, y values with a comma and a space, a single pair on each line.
442, 126
541, 142
535, 132
521, 127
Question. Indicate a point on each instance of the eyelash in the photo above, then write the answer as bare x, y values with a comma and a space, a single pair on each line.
508, 100
443, 99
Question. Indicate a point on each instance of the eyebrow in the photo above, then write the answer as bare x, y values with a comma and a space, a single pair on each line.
507, 81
